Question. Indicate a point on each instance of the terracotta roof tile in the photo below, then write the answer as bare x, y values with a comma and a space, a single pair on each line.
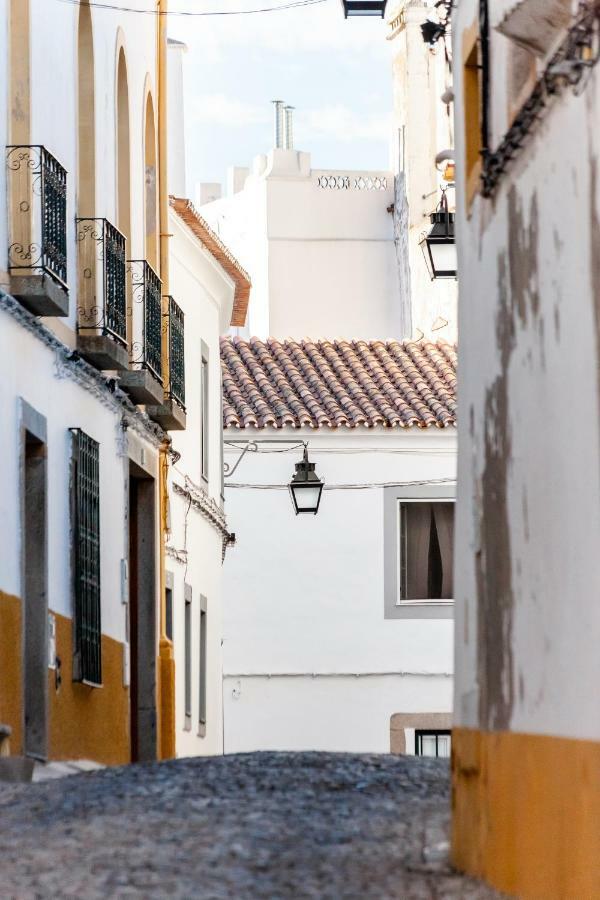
315, 384
186, 210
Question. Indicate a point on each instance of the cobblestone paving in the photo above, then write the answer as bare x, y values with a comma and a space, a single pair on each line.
250, 826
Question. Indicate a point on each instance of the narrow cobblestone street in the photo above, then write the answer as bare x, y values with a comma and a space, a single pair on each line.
265, 825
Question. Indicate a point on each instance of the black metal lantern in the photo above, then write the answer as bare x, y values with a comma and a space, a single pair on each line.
432, 31
439, 247
364, 8
306, 487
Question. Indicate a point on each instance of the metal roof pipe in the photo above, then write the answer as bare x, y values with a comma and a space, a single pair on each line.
289, 127
279, 123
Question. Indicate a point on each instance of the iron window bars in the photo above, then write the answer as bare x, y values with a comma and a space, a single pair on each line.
102, 280
145, 312
175, 331
37, 187
85, 512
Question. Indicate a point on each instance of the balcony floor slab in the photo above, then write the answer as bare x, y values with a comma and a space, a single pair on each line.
169, 415
142, 387
41, 294
103, 352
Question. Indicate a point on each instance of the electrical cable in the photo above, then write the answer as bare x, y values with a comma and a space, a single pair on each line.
367, 486
116, 7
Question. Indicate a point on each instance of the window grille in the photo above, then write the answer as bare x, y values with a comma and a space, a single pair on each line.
86, 550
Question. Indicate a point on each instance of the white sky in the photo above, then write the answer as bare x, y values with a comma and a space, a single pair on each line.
336, 72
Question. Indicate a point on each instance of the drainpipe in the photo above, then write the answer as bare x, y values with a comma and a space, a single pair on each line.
165, 699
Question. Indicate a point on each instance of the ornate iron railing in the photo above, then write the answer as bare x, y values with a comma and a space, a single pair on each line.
174, 328
145, 315
102, 280
37, 190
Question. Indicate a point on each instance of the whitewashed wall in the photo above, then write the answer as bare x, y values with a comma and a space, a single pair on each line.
310, 662
4, 139
422, 128
54, 108
33, 375
529, 481
205, 293
339, 244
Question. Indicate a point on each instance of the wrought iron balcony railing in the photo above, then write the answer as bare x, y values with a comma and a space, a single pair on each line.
102, 280
175, 330
145, 318
37, 190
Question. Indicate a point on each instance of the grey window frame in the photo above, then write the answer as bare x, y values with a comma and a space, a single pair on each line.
204, 411
202, 665
409, 609
187, 651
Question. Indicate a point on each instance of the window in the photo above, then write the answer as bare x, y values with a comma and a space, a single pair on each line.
472, 118
202, 668
425, 550
418, 551
204, 387
433, 743
169, 605
85, 517
188, 653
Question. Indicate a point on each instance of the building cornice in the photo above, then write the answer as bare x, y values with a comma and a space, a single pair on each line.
68, 364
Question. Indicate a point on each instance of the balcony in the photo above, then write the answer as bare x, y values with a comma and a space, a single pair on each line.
143, 382
170, 415
37, 249
101, 313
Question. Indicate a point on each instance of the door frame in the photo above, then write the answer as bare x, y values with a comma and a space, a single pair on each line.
33, 462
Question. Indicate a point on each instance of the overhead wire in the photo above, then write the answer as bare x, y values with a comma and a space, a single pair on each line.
291, 4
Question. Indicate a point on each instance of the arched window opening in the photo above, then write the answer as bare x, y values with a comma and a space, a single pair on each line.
151, 193
123, 151
86, 170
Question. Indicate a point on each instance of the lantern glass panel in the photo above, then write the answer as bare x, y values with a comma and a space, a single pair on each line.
306, 496
443, 258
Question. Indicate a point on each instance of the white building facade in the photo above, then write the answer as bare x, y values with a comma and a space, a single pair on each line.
79, 568
320, 650
212, 290
333, 229
527, 718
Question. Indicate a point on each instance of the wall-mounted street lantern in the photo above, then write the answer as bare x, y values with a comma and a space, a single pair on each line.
439, 247
306, 487
364, 8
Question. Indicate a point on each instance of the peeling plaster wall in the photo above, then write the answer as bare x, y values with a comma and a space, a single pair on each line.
528, 517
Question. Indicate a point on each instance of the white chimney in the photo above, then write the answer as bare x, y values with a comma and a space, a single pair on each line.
279, 123
289, 127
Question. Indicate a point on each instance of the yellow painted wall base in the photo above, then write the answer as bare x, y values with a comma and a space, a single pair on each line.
11, 672
526, 813
88, 722
166, 664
